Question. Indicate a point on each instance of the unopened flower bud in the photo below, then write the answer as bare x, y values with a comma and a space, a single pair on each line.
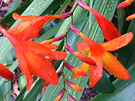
71, 98
73, 86
60, 95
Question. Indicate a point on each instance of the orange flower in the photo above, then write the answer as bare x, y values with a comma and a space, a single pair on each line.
124, 4
5, 73
30, 25
32, 60
103, 23
99, 53
131, 17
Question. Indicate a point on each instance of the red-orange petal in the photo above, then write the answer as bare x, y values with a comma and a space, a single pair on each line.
41, 49
73, 86
24, 68
51, 46
84, 58
131, 17
84, 67
95, 72
82, 47
117, 42
114, 67
26, 17
45, 83
109, 30
97, 48
124, 4
41, 67
5, 73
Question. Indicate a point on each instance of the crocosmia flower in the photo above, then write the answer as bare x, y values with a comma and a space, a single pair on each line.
109, 30
30, 25
99, 53
124, 4
32, 60
5, 73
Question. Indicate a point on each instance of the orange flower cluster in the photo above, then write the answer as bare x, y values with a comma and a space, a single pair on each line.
35, 58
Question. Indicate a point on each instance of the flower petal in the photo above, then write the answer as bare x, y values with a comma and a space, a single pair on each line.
28, 17
82, 47
95, 72
5, 73
104, 24
41, 49
124, 4
41, 67
117, 42
97, 48
24, 68
84, 67
45, 83
113, 66
51, 46
84, 58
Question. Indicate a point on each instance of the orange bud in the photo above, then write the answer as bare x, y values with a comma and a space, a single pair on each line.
5, 73
60, 95
131, 17
73, 86
75, 70
124, 4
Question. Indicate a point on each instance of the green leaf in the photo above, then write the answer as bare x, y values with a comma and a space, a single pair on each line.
53, 6
124, 89
13, 6
32, 94
121, 17
5, 91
